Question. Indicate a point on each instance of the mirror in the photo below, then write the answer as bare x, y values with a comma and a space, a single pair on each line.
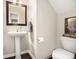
16, 14
70, 27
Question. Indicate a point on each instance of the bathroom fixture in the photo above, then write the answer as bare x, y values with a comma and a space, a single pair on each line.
17, 33
40, 39
16, 14
17, 36
62, 54
18, 1
67, 51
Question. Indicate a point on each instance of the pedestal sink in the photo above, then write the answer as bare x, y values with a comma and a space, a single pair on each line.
17, 36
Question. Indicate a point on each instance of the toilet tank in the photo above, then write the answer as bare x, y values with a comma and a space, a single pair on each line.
69, 44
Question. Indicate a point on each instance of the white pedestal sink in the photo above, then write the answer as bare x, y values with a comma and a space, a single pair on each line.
17, 36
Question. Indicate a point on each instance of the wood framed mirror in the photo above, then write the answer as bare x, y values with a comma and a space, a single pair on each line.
70, 27
16, 14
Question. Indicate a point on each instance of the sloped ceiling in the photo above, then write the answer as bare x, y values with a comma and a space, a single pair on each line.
62, 6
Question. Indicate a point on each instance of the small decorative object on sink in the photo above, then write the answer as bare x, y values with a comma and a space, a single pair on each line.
70, 27
16, 13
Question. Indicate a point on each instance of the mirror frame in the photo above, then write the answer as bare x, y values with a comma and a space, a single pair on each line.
66, 33
7, 13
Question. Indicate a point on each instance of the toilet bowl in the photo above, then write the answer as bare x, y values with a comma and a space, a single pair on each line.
67, 51
62, 54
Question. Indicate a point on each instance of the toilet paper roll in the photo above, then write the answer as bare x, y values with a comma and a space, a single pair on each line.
40, 39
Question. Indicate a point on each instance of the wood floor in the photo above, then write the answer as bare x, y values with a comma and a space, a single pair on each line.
50, 58
24, 56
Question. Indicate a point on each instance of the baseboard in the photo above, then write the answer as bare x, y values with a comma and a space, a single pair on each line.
23, 52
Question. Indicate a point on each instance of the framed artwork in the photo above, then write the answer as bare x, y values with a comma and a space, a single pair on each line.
16, 14
70, 27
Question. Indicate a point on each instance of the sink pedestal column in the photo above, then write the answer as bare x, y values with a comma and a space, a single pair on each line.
17, 47
17, 36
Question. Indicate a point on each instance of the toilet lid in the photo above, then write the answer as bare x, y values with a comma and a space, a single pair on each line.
62, 54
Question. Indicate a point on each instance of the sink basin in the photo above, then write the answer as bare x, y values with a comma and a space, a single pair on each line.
19, 33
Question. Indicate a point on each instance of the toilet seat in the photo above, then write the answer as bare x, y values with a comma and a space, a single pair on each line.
62, 54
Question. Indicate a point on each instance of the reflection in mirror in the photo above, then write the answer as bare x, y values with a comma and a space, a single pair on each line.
14, 18
16, 13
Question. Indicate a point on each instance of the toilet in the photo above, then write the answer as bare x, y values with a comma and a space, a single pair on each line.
67, 51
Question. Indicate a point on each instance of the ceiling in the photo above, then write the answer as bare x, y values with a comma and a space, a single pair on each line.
62, 6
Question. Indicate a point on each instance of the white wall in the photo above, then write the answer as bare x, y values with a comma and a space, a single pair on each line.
63, 5
46, 28
60, 23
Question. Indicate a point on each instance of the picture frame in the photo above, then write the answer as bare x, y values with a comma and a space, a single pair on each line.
70, 27
16, 14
